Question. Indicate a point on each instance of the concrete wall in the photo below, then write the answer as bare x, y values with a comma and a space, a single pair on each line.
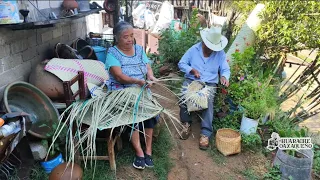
22, 50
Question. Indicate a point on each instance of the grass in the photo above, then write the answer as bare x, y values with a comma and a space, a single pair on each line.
161, 149
250, 174
216, 155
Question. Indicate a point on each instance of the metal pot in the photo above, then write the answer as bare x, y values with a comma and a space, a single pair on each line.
24, 97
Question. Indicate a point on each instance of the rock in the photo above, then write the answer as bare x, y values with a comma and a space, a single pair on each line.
164, 70
39, 151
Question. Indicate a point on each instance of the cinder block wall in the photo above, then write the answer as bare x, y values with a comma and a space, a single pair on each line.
22, 50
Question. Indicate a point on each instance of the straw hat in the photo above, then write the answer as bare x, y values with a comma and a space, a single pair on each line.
213, 39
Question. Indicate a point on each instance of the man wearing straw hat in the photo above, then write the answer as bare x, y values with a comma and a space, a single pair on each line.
202, 62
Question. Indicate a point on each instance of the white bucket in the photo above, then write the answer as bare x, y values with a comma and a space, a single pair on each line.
248, 126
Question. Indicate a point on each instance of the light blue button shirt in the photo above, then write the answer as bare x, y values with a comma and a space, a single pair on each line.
207, 67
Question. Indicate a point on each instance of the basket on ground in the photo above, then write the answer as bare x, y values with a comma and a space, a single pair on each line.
228, 141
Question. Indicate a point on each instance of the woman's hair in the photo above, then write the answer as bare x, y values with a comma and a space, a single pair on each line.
118, 29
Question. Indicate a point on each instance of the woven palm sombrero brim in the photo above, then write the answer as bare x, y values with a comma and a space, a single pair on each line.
195, 96
66, 69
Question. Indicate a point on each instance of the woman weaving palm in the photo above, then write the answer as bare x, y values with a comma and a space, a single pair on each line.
128, 66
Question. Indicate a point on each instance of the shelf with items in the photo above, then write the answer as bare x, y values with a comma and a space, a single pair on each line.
48, 23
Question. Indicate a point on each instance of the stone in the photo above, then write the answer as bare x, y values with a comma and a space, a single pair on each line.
18, 46
39, 150
4, 51
66, 29
28, 54
57, 32
165, 70
47, 36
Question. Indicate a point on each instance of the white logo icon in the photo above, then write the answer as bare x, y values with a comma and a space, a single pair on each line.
288, 143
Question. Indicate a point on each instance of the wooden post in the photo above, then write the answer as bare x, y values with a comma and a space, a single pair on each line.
116, 13
112, 159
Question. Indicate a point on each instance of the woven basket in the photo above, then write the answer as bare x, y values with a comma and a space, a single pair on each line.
228, 141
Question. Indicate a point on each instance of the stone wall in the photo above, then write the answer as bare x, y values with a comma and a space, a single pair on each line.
22, 50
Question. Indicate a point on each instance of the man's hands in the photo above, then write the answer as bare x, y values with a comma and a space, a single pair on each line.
224, 81
195, 73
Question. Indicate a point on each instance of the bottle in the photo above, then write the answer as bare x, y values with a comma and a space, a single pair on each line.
8, 129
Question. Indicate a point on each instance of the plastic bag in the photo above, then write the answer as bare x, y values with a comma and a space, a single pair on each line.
149, 19
218, 20
165, 18
138, 16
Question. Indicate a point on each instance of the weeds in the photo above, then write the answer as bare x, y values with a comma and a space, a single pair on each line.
250, 174
161, 150
273, 173
252, 142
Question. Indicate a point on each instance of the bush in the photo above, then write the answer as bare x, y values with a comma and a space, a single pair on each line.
173, 44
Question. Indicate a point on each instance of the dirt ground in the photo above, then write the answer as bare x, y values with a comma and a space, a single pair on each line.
189, 162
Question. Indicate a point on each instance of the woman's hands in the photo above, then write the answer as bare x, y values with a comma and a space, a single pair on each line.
149, 82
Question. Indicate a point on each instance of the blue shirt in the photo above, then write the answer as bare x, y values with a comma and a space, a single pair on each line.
111, 60
208, 67
133, 66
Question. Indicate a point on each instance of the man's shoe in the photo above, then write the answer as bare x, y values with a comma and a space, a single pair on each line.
186, 130
139, 163
148, 161
204, 142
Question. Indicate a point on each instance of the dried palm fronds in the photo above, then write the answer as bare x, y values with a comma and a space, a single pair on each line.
114, 109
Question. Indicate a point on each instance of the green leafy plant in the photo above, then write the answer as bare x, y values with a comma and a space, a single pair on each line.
273, 173
230, 121
156, 63
243, 64
173, 44
289, 26
260, 101
316, 160
46, 142
251, 141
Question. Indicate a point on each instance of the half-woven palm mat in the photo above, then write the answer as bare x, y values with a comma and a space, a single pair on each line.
116, 108
106, 111
66, 69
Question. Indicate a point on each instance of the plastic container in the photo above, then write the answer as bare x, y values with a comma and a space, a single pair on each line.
294, 167
248, 126
100, 52
11, 128
48, 166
